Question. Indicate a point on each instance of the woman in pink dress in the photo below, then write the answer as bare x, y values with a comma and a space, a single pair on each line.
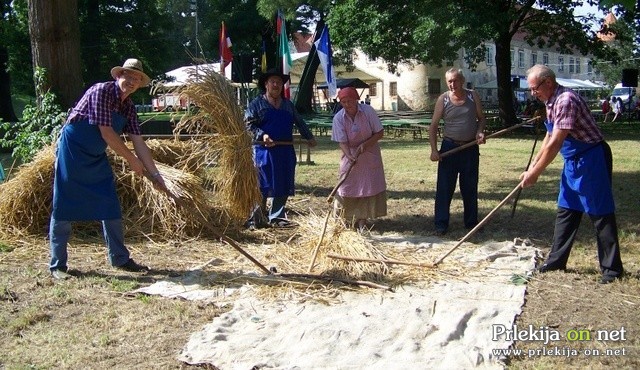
357, 128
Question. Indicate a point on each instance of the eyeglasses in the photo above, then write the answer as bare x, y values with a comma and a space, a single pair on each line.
535, 89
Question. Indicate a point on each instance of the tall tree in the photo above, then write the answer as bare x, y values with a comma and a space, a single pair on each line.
55, 45
6, 107
434, 32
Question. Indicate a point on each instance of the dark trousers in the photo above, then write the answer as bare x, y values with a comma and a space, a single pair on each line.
462, 166
567, 223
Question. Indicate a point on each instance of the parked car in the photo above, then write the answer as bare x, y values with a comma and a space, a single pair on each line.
624, 93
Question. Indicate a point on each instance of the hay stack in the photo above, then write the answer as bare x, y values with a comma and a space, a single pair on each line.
221, 119
25, 205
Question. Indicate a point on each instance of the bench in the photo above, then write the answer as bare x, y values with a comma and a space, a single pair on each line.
416, 132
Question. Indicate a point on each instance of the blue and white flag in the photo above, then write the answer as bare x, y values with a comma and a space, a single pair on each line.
323, 46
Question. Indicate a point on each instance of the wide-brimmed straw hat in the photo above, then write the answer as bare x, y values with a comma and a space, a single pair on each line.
133, 65
262, 80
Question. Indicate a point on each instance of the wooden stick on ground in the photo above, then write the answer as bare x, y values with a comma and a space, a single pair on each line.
497, 133
385, 261
341, 280
479, 225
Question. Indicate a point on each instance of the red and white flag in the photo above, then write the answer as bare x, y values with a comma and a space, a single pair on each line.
225, 49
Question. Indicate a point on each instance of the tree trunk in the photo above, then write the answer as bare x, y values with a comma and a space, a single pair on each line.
7, 113
55, 45
91, 37
503, 75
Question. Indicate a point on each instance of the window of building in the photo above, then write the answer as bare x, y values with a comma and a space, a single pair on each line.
534, 58
373, 89
350, 58
513, 58
393, 88
571, 65
520, 58
433, 86
545, 59
560, 64
589, 68
490, 59
577, 65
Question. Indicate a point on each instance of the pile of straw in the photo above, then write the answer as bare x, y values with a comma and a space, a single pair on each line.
222, 151
220, 119
25, 205
337, 240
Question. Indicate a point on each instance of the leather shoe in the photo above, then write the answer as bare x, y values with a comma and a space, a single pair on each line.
546, 268
132, 266
608, 279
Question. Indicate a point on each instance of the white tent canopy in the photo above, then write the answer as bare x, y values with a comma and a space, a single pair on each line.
573, 83
185, 74
300, 59
182, 75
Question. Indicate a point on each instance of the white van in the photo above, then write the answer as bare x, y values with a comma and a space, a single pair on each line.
624, 93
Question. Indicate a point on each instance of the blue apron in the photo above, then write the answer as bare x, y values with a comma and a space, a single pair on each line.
276, 165
585, 184
84, 187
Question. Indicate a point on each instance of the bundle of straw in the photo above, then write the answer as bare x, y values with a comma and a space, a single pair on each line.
218, 115
188, 155
338, 240
147, 210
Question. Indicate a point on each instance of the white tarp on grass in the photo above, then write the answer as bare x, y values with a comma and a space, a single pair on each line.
448, 325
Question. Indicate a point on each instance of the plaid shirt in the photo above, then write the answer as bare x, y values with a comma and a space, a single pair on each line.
99, 102
566, 110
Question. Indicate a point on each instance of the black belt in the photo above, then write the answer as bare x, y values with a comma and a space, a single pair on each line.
458, 142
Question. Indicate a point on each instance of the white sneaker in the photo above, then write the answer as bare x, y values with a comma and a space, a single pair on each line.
60, 275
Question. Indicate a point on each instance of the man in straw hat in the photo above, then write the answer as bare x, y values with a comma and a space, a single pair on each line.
585, 184
270, 118
358, 130
84, 186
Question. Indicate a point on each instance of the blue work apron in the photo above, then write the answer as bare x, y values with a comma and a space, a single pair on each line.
276, 165
585, 184
84, 187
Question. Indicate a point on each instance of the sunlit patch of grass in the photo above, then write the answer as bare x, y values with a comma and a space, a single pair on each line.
122, 286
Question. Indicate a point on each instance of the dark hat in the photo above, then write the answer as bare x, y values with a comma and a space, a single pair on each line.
262, 80
133, 65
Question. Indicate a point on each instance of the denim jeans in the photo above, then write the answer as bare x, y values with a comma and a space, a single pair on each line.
462, 166
60, 231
